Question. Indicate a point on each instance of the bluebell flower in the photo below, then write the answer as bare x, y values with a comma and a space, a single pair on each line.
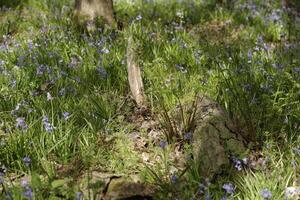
13, 83
47, 126
77, 79
74, 62
266, 194
201, 189
181, 68
28, 194
297, 69
62, 92
139, 17
30, 45
229, 188
66, 115
63, 73
250, 55
174, 179
163, 144
105, 51
237, 164
79, 196
297, 151
207, 196
102, 72
187, 136
72, 90
24, 183
27, 161
224, 197
41, 70
20, 123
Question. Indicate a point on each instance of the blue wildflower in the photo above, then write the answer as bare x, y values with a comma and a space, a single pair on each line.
41, 70
297, 150
105, 51
237, 164
187, 136
21, 123
47, 126
266, 194
79, 196
62, 92
174, 179
181, 68
139, 17
163, 144
74, 62
27, 161
66, 115
102, 72
28, 194
24, 183
229, 188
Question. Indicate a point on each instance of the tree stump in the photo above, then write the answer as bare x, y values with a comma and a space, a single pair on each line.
214, 139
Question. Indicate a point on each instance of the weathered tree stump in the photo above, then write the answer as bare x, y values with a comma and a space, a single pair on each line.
214, 139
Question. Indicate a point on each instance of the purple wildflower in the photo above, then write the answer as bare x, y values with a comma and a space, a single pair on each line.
207, 196
74, 62
187, 136
62, 92
28, 194
13, 83
224, 197
105, 51
139, 17
163, 144
41, 70
174, 179
21, 123
77, 79
297, 150
24, 183
297, 69
27, 161
79, 196
201, 189
102, 72
229, 188
250, 55
66, 115
47, 126
237, 164
266, 194
63, 73
181, 68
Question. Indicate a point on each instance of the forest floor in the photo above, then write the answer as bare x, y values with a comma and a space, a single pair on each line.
66, 111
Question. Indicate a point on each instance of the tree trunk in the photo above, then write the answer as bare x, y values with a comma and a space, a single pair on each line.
89, 10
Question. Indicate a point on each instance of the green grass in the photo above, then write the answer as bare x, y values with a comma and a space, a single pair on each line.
233, 53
